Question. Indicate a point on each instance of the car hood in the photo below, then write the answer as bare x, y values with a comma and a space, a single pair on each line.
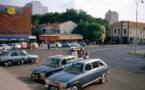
44, 69
64, 76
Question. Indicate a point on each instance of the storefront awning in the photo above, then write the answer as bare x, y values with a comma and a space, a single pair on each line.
11, 38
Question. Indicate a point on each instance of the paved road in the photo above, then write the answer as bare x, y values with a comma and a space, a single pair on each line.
127, 71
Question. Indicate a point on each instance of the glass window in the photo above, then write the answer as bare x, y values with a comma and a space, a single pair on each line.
64, 61
74, 67
95, 64
118, 31
22, 54
124, 31
100, 63
14, 54
52, 62
115, 31
88, 67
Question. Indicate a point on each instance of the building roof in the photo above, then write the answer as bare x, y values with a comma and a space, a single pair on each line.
58, 34
55, 24
131, 24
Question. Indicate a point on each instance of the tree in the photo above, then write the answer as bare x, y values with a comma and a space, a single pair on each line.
90, 31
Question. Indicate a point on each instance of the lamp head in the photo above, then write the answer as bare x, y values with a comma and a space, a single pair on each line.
142, 1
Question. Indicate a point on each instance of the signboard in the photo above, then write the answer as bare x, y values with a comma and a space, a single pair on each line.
11, 10
14, 38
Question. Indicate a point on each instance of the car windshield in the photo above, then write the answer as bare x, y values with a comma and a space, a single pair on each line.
74, 67
52, 62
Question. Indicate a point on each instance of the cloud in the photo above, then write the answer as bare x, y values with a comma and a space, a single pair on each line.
68, 4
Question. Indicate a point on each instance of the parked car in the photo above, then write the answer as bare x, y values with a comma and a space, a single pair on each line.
6, 46
17, 46
82, 44
17, 56
52, 65
66, 45
32, 46
78, 74
56, 44
23, 45
77, 47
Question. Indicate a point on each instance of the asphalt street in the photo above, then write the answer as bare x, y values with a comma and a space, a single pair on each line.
126, 71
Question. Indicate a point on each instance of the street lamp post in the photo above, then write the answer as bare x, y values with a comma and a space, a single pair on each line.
137, 2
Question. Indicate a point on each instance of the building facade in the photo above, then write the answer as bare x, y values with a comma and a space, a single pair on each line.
112, 17
15, 23
59, 31
36, 7
127, 32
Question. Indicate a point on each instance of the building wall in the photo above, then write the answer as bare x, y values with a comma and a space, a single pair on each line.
18, 23
111, 16
124, 29
67, 27
36, 7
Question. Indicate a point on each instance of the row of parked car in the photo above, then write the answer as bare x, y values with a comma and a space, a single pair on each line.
67, 44
22, 45
70, 73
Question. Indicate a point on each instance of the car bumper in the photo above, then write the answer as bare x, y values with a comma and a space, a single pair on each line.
59, 88
37, 77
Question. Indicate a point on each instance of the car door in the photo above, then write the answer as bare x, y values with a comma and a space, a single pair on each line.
98, 69
88, 73
24, 56
15, 56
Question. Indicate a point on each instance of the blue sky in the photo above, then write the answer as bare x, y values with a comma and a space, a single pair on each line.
96, 8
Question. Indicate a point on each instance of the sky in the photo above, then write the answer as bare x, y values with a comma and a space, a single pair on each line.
97, 8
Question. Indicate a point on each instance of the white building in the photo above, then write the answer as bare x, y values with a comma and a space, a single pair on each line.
126, 32
36, 7
111, 17
58, 27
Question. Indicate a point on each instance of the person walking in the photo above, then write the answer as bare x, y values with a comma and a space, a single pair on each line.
86, 55
48, 45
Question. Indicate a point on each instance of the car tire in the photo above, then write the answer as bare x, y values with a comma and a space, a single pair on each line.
75, 87
9, 62
32, 60
103, 79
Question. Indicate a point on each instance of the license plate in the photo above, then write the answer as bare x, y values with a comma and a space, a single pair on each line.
53, 88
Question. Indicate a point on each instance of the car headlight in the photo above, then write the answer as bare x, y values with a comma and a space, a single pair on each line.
42, 74
63, 85
47, 81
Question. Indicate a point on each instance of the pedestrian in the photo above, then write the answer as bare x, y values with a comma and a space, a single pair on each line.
86, 55
48, 45
74, 53
80, 52
3, 51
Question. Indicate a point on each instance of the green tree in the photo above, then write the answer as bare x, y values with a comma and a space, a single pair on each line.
90, 31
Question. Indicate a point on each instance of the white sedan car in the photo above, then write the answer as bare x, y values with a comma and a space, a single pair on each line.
56, 44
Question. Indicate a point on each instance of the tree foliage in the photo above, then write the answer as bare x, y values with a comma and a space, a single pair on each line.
90, 31
87, 25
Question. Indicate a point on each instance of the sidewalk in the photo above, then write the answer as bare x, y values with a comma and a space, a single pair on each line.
139, 52
8, 82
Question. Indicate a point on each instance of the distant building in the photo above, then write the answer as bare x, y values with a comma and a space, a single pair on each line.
58, 27
111, 17
126, 32
36, 7
59, 31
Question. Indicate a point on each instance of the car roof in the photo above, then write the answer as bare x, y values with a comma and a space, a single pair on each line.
61, 56
84, 61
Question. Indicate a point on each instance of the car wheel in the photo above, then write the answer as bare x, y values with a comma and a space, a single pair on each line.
9, 63
32, 60
75, 87
103, 79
